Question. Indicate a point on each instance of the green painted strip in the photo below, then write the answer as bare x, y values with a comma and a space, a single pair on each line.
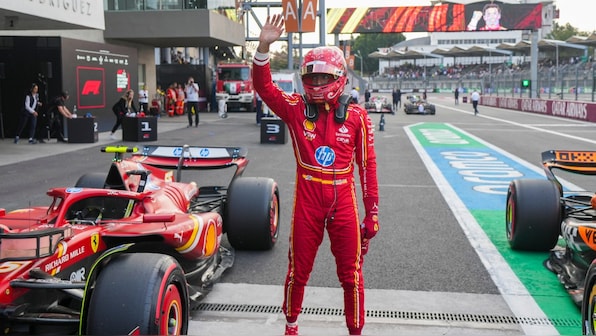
542, 284
489, 212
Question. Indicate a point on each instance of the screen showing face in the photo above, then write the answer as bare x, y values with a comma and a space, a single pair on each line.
441, 17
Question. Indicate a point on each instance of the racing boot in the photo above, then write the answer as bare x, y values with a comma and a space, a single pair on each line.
291, 329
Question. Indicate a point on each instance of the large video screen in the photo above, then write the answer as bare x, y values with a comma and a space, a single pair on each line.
97, 75
443, 17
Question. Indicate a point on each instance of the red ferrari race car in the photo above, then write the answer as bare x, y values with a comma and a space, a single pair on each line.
540, 211
379, 104
134, 250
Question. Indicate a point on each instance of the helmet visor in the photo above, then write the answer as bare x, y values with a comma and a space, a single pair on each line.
320, 67
318, 79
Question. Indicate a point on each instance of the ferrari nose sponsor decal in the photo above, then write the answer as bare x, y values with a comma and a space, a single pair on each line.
78, 275
325, 156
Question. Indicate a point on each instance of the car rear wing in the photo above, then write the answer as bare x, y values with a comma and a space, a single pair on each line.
578, 162
185, 157
581, 162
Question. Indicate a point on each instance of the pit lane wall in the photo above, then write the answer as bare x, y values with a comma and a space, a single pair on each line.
577, 110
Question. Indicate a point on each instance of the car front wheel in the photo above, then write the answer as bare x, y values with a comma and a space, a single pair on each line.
139, 293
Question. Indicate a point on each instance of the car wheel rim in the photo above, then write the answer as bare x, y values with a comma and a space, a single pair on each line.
509, 215
171, 313
274, 218
591, 323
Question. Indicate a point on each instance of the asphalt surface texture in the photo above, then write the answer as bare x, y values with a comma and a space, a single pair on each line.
422, 276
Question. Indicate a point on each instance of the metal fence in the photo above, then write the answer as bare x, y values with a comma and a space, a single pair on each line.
569, 82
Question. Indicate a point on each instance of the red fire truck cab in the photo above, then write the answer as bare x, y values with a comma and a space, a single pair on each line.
234, 84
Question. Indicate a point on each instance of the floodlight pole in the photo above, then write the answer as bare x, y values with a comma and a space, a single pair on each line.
490, 70
534, 65
359, 55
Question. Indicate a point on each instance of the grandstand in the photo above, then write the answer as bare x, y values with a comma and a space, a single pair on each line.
492, 61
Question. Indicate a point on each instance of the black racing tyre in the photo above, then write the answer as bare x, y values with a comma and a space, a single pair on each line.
252, 213
431, 110
588, 308
533, 215
91, 180
139, 293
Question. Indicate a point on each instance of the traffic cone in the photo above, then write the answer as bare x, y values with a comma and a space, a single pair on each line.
382, 123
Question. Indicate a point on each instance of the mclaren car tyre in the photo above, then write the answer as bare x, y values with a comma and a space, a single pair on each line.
431, 110
91, 180
252, 213
589, 302
139, 294
533, 215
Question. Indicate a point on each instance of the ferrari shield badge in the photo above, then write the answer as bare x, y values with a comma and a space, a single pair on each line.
94, 242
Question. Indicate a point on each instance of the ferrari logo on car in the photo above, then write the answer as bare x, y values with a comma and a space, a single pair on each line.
94, 242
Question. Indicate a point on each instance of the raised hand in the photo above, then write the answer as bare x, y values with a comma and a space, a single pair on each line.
271, 31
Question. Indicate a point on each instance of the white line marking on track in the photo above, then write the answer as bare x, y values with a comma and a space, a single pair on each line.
513, 291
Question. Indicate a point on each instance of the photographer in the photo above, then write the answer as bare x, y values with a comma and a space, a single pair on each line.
192, 101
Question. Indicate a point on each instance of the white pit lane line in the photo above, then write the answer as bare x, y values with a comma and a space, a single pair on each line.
518, 299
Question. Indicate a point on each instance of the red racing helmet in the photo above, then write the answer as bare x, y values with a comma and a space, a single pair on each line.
324, 75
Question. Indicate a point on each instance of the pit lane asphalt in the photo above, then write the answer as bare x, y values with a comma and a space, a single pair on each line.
419, 267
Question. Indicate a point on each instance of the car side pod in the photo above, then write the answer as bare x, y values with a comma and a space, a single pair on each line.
158, 218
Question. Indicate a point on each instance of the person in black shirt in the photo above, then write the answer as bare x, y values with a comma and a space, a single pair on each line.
123, 106
59, 111
396, 95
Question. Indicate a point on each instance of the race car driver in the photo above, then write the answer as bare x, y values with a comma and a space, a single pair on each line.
329, 135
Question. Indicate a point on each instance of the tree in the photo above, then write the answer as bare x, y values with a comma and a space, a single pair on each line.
279, 59
562, 33
368, 43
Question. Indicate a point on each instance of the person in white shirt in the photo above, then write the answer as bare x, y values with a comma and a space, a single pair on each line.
475, 99
192, 101
144, 99
355, 95
29, 114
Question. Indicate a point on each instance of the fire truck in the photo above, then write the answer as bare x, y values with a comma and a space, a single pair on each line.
234, 85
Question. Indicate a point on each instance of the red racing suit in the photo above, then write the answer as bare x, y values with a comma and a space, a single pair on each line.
325, 195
